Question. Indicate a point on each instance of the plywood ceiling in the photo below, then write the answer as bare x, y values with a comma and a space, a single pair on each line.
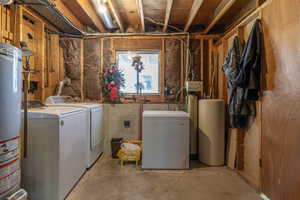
128, 11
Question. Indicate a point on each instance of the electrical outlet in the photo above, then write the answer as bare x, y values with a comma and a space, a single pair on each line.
127, 124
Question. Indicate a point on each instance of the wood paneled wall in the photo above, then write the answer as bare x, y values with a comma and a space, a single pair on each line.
274, 134
7, 25
17, 24
243, 145
280, 104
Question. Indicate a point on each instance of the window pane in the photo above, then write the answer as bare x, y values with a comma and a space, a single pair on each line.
148, 78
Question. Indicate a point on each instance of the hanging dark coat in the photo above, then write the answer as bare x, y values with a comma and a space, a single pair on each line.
249, 77
239, 109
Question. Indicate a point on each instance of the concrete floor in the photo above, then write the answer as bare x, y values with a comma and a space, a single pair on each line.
108, 181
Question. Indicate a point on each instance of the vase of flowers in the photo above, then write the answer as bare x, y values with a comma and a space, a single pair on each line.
112, 81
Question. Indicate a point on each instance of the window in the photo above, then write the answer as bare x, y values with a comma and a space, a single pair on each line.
145, 82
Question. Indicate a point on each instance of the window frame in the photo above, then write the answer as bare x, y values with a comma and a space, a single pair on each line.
160, 70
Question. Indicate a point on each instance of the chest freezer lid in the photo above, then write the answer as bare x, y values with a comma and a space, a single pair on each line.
52, 112
165, 114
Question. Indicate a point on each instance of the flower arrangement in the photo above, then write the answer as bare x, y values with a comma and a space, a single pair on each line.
112, 81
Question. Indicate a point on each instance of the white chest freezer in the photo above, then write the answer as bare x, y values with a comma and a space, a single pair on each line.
165, 140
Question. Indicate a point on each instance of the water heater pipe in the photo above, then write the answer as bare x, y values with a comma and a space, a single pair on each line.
26, 73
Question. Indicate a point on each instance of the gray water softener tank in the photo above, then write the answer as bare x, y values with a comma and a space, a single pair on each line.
10, 91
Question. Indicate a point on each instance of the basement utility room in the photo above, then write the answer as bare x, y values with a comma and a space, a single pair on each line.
149, 100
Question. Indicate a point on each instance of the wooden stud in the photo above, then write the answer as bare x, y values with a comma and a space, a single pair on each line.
18, 30
91, 13
82, 70
202, 59
182, 66
221, 12
162, 68
195, 8
1, 25
61, 64
40, 58
112, 6
225, 50
101, 68
168, 14
141, 13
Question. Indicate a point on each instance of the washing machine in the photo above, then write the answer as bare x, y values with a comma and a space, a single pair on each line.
56, 152
95, 134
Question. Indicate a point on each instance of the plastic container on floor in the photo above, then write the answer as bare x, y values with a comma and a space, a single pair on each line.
115, 146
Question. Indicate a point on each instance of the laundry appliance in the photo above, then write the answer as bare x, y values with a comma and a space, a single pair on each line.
166, 140
95, 134
56, 152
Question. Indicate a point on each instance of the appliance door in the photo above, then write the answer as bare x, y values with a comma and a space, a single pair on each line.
96, 127
166, 143
72, 151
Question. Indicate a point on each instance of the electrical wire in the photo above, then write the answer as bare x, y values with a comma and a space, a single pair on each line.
162, 24
189, 64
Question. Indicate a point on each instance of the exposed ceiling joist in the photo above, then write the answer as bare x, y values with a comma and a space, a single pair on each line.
195, 8
141, 13
113, 8
222, 9
68, 14
168, 13
91, 13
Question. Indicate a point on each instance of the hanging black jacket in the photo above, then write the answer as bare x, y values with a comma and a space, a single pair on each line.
251, 64
239, 109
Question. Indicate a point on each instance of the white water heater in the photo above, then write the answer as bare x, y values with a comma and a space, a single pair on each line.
10, 118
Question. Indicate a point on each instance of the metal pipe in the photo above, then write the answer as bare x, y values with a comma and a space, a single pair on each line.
26, 79
27, 53
104, 14
53, 10
134, 34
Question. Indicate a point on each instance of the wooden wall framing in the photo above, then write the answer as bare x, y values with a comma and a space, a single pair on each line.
244, 145
27, 26
7, 25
